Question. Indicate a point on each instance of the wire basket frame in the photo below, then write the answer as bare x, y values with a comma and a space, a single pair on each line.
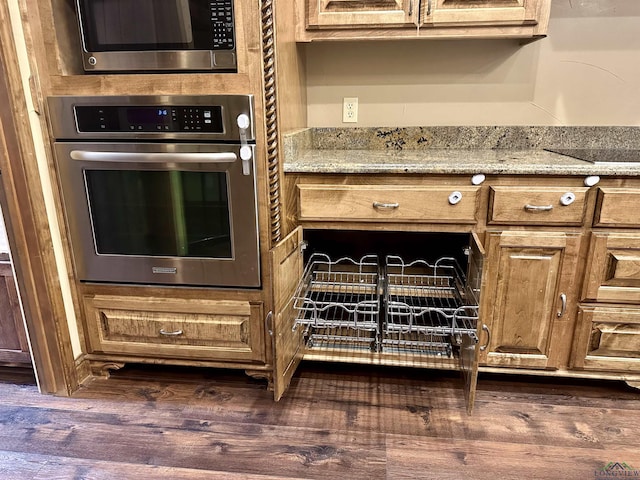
429, 299
340, 294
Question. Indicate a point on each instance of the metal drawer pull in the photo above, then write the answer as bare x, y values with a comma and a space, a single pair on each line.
486, 345
455, 197
389, 206
175, 333
568, 198
538, 208
563, 307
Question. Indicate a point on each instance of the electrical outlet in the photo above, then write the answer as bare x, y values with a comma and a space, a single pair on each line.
350, 110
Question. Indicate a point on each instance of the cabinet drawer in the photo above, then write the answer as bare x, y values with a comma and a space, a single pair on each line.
379, 203
220, 330
537, 206
613, 271
608, 339
618, 207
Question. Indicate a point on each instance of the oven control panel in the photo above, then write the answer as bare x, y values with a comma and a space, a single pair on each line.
149, 119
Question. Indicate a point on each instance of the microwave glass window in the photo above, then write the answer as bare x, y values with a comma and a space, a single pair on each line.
136, 24
160, 213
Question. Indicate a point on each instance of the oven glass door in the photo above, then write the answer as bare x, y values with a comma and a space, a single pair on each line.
140, 25
161, 213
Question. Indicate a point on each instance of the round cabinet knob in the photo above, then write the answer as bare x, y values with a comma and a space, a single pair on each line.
245, 153
568, 198
455, 197
592, 180
243, 121
478, 179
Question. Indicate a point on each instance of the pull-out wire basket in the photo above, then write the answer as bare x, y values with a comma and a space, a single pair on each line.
428, 306
338, 302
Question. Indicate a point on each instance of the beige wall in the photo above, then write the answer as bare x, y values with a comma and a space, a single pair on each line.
586, 72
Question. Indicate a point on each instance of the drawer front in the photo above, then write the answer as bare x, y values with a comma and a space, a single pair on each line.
537, 206
608, 339
618, 207
378, 203
613, 271
215, 330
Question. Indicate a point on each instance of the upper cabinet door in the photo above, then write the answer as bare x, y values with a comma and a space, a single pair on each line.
480, 12
362, 13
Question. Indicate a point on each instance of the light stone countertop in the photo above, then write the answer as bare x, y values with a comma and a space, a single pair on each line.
456, 150
450, 161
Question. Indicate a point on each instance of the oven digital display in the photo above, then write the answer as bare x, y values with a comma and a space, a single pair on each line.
148, 115
147, 119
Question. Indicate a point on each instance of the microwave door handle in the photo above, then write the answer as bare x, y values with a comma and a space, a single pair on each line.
189, 157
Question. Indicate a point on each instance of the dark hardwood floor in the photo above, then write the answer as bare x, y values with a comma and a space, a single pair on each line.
335, 422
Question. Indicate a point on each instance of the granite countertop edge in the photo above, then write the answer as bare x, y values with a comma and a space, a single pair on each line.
449, 161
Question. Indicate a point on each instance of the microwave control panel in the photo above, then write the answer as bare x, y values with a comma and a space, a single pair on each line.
222, 21
156, 119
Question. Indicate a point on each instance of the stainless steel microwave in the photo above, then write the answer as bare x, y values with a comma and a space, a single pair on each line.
157, 35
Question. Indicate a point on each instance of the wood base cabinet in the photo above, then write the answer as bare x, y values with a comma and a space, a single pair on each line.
376, 308
608, 338
531, 298
197, 330
13, 339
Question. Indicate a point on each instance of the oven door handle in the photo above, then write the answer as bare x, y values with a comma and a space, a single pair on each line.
154, 157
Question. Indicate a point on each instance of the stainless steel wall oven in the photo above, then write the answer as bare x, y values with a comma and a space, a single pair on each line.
159, 190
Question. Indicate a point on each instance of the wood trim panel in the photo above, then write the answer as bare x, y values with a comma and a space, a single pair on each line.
28, 229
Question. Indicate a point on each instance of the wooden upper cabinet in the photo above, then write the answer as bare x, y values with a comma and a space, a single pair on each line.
478, 12
370, 19
530, 298
365, 13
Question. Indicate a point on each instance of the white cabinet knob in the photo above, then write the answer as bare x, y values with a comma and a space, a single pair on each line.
592, 180
568, 198
478, 179
455, 197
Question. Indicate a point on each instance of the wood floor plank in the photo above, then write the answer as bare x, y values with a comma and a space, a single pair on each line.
345, 423
435, 459
26, 466
238, 448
